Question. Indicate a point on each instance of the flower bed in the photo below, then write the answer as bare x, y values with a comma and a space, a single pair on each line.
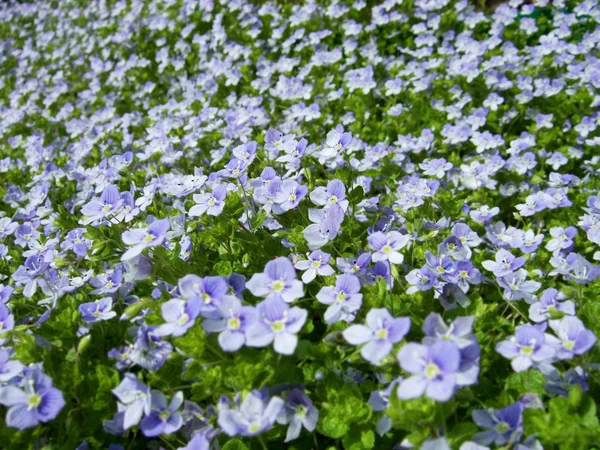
299, 225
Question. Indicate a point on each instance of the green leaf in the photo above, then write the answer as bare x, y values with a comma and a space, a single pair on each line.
71, 355
210, 384
410, 415
343, 408
575, 396
356, 195
563, 426
259, 219
83, 343
192, 343
234, 444
359, 438
526, 382
587, 410
223, 268
461, 432
134, 309
333, 427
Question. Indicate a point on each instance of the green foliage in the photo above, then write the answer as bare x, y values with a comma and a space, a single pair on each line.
234, 444
335, 375
342, 410
569, 423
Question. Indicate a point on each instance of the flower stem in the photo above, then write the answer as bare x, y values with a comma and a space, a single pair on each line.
262, 443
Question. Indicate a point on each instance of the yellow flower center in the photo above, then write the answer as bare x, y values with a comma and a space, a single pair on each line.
183, 319
301, 411
254, 428
33, 401
526, 350
432, 371
234, 323
278, 326
502, 427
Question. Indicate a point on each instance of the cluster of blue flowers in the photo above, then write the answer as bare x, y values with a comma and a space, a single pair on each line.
337, 224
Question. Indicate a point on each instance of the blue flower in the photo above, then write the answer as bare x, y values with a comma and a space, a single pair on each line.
28, 274
7, 319
572, 338
135, 397
207, 291
380, 334
98, 310
103, 207
150, 350
277, 282
344, 299
298, 412
211, 204
277, 323
180, 316
233, 323
107, 283
141, 238
526, 348
31, 402
8, 368
503, 426
551, 304
386, 246
317, 263
433, 370
163, 418
254, 415
333, 194
422, 279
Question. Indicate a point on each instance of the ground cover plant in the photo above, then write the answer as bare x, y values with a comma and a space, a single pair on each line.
299, 225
